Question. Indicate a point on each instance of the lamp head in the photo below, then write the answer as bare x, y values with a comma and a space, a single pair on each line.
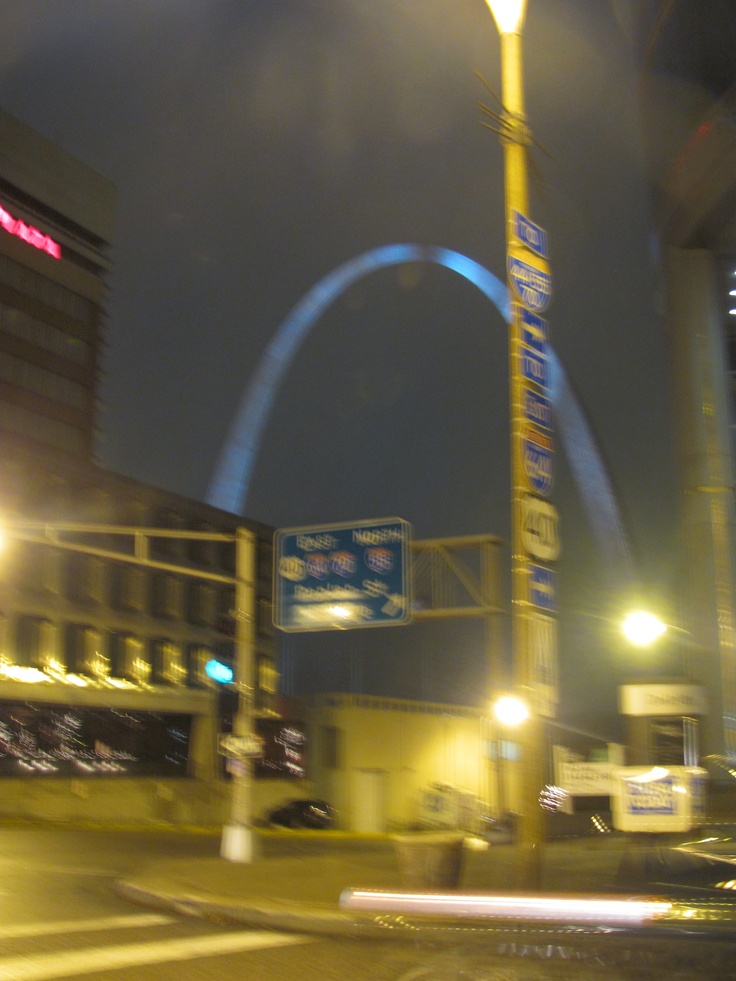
510, 710
643, 628
508, 14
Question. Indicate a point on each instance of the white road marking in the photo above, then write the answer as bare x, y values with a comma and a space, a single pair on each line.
82, 926
74, 964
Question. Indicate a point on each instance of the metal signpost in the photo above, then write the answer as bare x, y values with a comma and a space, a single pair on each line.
340, 576
534, 537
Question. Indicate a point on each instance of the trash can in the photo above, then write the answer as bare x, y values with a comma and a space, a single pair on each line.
429, 859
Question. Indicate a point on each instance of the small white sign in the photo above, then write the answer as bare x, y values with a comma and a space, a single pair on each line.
240, 747
664, 699
584, 779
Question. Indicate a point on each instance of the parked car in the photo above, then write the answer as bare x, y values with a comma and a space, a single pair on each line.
315, 814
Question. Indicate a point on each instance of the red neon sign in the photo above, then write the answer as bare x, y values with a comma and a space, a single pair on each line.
29, 234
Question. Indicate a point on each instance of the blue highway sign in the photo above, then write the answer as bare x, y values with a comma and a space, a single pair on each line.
534, 367
532, 285
542, 587
536, 409
538, 458
529, 234
330, 577
533, 331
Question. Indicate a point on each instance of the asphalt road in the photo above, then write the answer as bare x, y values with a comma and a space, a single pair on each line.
61, 919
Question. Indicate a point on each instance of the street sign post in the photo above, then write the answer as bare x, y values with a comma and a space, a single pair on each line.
329, 577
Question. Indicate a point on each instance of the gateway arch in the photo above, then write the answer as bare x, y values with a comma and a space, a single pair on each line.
230, 483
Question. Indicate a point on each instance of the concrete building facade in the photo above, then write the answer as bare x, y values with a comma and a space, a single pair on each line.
688, 98
102, 660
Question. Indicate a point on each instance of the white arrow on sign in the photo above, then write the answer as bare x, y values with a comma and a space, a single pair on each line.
539, 534
240, 747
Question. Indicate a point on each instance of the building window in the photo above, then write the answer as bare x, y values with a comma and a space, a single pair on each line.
57, 388
264, 618
27, 281
129, 659
53, 570
131, 588
49, 656
174, 547
27, 642
86, 651
22, 325
42, 429
331, 747
199, 658
88, 579
168, 663
169, 597
203, 604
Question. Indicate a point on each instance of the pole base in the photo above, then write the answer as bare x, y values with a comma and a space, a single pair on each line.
237, 843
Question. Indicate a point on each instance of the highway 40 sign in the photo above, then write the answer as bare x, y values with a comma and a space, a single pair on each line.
539, 528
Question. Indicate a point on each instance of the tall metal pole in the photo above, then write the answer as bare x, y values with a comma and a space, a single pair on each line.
238, 842
533, 518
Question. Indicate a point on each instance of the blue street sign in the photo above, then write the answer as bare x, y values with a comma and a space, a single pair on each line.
534, 367
532, 329
536, 409
331, 577
542, 587
655, 796
542, 641
538, 458
529, 234
533, 286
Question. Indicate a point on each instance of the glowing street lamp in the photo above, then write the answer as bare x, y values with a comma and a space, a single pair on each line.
510, 710
508, 14
642, 628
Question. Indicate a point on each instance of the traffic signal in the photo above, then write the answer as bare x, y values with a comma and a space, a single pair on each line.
219, 671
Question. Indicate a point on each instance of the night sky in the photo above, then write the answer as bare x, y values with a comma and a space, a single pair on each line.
258, 144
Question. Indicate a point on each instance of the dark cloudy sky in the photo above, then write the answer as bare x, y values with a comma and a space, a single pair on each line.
258, 144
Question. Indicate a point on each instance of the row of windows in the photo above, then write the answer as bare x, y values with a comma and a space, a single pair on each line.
42, 429
47, 383
84, 650
22, 325
91, 579
27, 281
98, 654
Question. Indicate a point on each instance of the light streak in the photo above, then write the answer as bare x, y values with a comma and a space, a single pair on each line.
598, 910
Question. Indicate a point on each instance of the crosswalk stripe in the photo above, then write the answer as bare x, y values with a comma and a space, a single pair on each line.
83, 926
74, 964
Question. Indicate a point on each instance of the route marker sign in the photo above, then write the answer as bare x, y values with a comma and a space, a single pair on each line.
533, 330
538, 459
542, 640
532, 284
542, 587
529, 234
539, 524
336, 577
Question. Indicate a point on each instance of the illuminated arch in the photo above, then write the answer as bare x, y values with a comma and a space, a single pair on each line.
231, 481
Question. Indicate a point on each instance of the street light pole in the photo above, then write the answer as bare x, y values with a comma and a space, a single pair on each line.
533, 586
238, 840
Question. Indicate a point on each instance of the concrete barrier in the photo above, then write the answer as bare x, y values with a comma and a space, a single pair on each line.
429, 860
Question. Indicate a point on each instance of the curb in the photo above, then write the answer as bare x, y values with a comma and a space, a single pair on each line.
290, 917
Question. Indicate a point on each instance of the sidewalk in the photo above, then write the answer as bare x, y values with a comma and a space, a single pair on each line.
300, 890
